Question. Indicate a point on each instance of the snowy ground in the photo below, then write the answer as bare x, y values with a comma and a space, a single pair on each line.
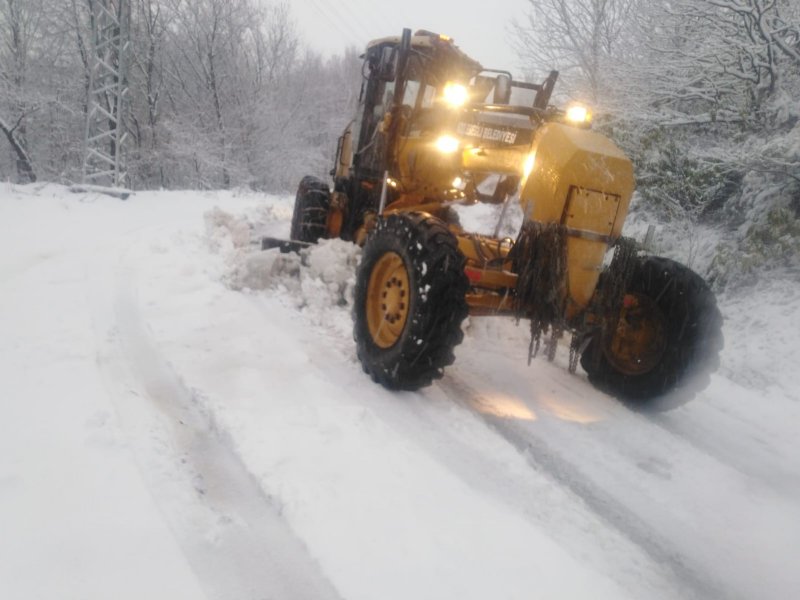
184, 417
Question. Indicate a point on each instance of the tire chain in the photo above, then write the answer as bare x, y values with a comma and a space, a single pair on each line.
540, 264
608, 299
444, 277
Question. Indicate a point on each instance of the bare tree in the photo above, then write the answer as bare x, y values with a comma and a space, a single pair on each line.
681, 61
19, 27
721, 57
206, 46
17, 141
149, 30
581, 38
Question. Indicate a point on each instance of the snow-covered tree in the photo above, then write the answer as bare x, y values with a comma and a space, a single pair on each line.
581, 38
20, 27
221, 93
703, 96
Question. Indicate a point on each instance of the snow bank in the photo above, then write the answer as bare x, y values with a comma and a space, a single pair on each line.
318, 281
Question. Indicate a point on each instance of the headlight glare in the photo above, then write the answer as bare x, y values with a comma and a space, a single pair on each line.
455, 94
578, 114
447, 144
527, 168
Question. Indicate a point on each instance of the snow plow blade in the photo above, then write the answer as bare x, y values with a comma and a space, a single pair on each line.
285, 246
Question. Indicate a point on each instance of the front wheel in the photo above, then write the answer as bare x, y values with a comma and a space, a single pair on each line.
409, 301
667, 339
310, 216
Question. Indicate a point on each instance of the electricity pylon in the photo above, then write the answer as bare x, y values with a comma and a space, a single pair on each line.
104, 159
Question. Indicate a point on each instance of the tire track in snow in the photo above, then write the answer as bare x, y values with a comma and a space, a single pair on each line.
748, 460
248, 551
542, 457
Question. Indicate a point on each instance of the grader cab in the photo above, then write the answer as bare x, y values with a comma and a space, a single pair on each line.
435, 129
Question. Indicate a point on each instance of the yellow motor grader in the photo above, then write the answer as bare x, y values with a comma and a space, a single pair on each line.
435, 129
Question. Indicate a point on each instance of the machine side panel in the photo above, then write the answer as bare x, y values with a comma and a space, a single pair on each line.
582, 180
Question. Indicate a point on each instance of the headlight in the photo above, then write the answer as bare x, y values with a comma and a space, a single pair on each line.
455, 94
578, 115
447, 144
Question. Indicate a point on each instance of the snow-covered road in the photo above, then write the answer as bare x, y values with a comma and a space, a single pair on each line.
184, 417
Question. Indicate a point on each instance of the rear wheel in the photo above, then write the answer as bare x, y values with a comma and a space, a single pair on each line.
310, 217
409, 301
666, 341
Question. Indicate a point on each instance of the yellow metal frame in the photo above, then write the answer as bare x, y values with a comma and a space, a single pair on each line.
570, 176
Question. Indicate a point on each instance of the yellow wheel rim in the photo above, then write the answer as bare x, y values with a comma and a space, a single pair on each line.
387, 300
640, 339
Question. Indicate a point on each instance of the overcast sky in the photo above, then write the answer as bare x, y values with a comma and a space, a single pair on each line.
478, 28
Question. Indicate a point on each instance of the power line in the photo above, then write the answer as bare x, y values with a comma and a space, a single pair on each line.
377, 14
353, 17
338, 22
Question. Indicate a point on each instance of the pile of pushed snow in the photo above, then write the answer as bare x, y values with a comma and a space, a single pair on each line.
318, 281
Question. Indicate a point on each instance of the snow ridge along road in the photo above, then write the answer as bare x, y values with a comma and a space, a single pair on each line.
252, 554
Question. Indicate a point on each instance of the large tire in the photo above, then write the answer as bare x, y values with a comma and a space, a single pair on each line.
667, 340
310, 217
409, 301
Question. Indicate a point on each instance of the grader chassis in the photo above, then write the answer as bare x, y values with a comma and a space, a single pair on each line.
435, 129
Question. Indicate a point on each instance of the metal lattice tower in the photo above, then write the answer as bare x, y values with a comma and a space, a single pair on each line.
104, 160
